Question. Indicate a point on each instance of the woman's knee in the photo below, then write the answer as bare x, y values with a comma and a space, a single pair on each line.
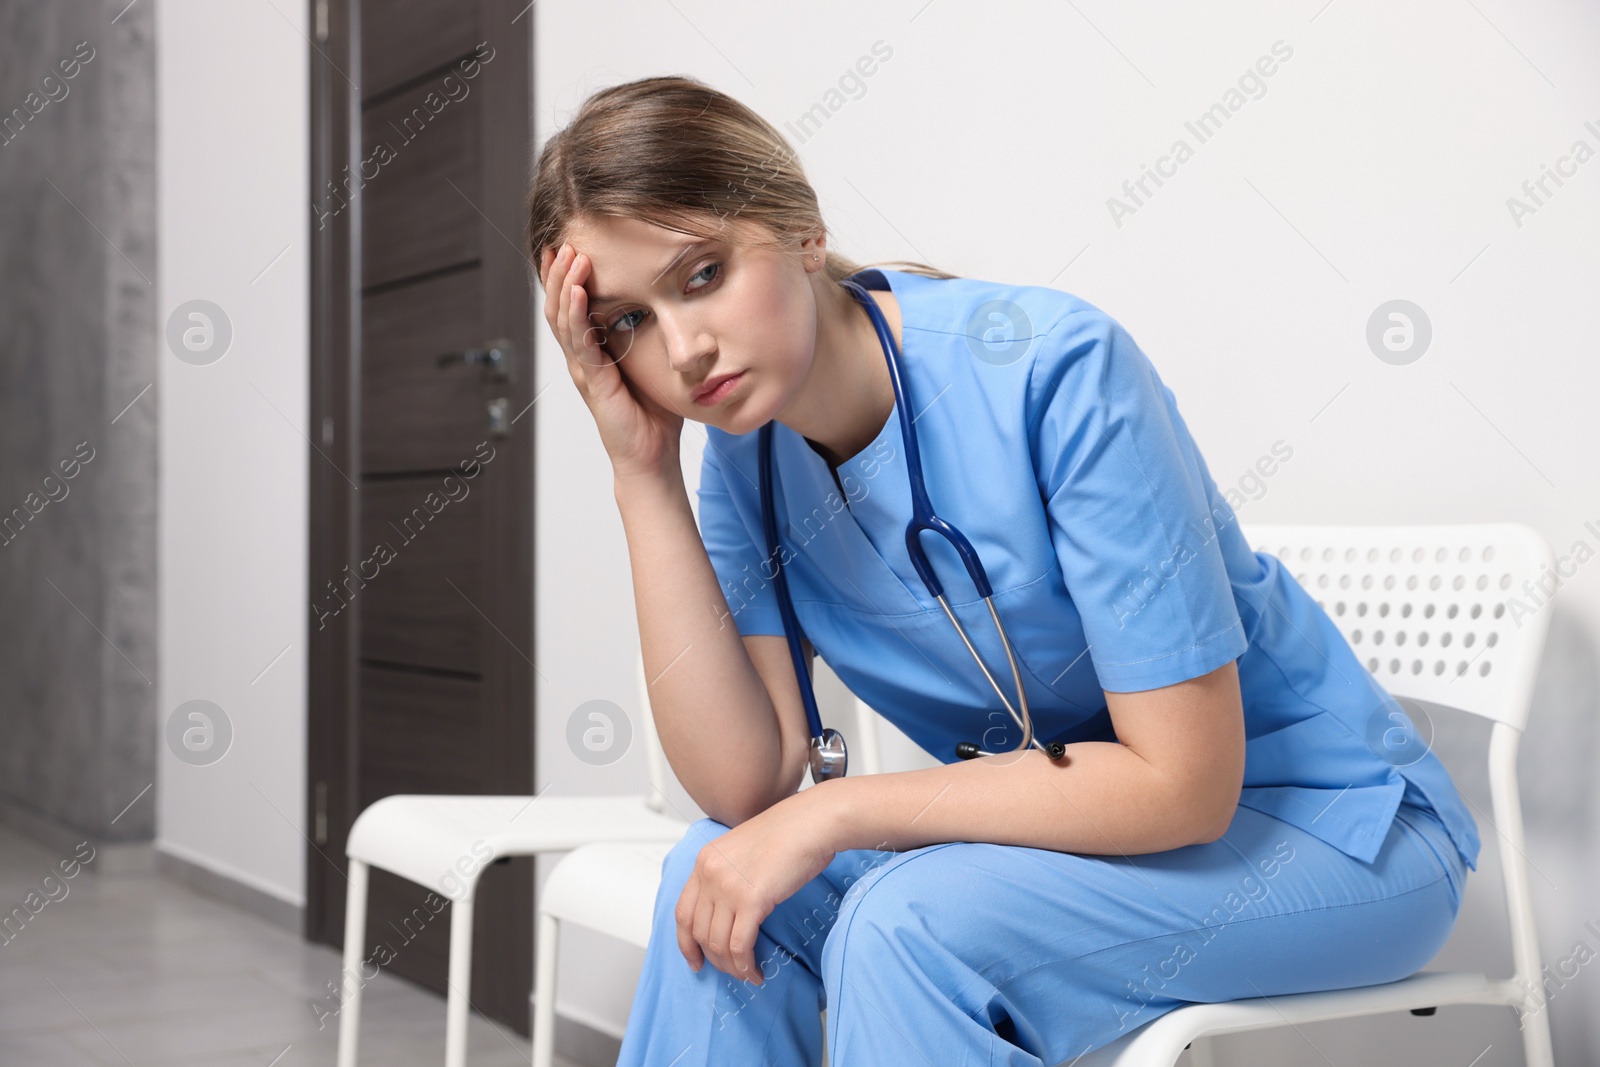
889, 918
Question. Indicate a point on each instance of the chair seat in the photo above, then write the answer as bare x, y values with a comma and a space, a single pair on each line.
611, 887
608, 886
1153, 1043
426, 837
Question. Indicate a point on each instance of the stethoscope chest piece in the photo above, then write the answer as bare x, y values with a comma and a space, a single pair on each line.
828, 756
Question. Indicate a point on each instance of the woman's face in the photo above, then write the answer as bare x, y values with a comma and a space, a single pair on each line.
676, 312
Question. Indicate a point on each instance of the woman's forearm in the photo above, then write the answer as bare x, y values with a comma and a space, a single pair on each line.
1102, 798
715, 718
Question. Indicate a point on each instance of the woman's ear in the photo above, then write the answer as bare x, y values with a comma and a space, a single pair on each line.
814, 252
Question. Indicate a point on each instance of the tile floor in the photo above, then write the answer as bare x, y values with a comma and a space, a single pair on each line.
136, 969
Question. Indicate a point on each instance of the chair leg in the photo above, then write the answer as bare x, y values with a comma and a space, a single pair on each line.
1537, 1048
355, 930
544, 991
460, 982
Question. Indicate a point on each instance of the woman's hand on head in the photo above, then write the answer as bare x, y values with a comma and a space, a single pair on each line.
639, 434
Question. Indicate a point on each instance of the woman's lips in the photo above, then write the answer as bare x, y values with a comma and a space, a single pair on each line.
720, 393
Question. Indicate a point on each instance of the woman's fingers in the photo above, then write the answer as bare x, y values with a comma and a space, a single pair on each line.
742, 946
579, 328
561, 291
552, 293
717, 936
700, 927
567, 310
717, 929
594, 335
554, 274
684, 913
632, 430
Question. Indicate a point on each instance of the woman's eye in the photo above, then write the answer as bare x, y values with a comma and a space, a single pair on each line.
622, 324
702, 270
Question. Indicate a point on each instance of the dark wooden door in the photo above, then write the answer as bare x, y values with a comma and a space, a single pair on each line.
421, 626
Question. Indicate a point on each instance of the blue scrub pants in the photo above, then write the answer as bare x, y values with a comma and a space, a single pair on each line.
981, 955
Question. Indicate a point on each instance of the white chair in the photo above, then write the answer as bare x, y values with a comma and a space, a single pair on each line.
437, 840
611, 887
1398, 578
1404, 580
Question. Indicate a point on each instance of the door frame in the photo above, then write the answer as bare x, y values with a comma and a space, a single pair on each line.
333, 406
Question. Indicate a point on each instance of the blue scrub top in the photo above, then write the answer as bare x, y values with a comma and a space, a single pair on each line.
1047, 437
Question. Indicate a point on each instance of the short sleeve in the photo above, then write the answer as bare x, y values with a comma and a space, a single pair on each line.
739, 564
1126, 494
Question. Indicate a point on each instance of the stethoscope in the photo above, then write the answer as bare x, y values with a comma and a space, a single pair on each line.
828, 754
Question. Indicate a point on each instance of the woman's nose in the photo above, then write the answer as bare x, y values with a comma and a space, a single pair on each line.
687, 343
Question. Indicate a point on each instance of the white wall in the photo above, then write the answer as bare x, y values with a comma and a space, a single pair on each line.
1376, 165
232, 165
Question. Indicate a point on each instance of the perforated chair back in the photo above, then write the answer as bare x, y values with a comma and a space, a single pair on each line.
1445, 614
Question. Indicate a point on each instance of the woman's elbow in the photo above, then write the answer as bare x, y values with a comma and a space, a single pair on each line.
1221, 814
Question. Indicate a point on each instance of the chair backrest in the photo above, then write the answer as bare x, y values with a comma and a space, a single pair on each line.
655, 756
1448, 614
1454, 615
866, 744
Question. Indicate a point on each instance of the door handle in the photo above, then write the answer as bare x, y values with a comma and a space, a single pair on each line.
499, 425
496, 356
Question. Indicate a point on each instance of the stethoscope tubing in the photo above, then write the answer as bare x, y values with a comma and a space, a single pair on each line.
791, 625
829, 743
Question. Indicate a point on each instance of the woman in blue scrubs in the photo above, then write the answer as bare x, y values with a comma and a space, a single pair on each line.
1242, 810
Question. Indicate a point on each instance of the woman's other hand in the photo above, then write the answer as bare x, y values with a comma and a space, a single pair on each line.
741, 876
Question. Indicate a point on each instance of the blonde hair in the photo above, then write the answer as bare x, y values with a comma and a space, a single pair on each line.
676, 153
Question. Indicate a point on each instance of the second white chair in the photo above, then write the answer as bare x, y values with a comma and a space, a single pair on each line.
426, 837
